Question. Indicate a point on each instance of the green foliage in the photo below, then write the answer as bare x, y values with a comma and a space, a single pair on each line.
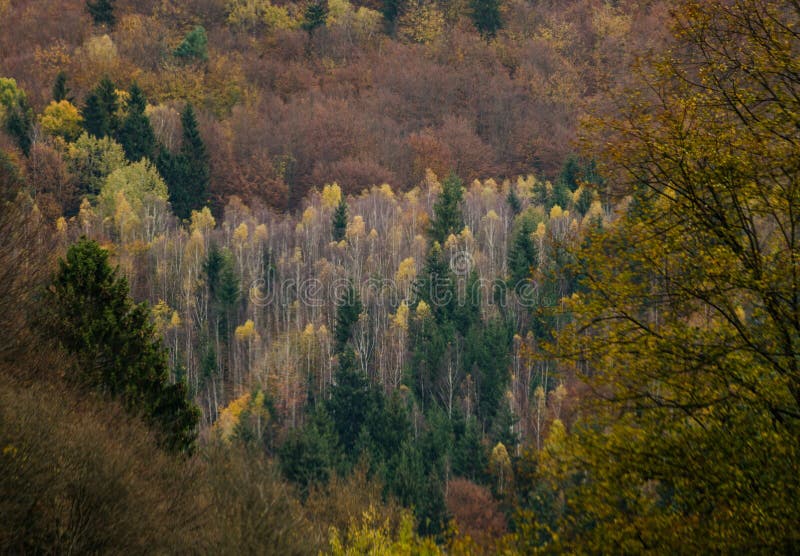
682, 327
61, 119
91, 160
102, 12
194, 45
136, 133
447, 218
487, 357
114, 340
100, 111
139, 183
60, 89
187, 173
223, 286
523, 253
308, 454
339, 224
315, 15
347, 314
485, 15
16, 115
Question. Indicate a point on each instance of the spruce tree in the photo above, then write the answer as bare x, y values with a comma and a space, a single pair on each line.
102, 11
116, 345
60, 89
447, 217
486, 17
187, 173
94, 117
315, 15
339, 224
136, 133
347, 314
194, 45
100, 111
19, 124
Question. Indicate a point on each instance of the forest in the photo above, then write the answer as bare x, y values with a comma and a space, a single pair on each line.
399, 276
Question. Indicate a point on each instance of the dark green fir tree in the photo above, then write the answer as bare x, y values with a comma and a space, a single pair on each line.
116, 345
339, 224
136, 133
102, 12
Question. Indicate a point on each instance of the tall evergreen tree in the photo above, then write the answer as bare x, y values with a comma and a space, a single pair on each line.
187, 173
100, 111
315, 15
486, 17
194, 45
339, 224
19, 124
447, 216
136, 133
347, 314
94, 117
60, 89
102, 11
116, 345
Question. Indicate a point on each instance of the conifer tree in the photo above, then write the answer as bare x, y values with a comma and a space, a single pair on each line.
116, 345
100, 111
315, 15
94, 118
187, 173
486, 17
194, 45
102, 11
339, 224
347, 314
136, 133
60, 89
447, 217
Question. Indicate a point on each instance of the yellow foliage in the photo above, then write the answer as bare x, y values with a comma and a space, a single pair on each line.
373, 537
556, 212
423, 310
246, 331
202, 221
407, 271
400, 318
229, 417
61, 119
356, 228
423, 23
261, 233
309, 215
331, 195
241, 233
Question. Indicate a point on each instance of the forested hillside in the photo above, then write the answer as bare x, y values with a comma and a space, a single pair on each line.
399, 276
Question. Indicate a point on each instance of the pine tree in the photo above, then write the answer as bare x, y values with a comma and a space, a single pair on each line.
116, 345
315, 15
486, 17
513, 201
60, 89
19, 124
447, 217
102, 11
194, 45
136, 133
347, 314
339, 224
187, 174
100, 111
350, 401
